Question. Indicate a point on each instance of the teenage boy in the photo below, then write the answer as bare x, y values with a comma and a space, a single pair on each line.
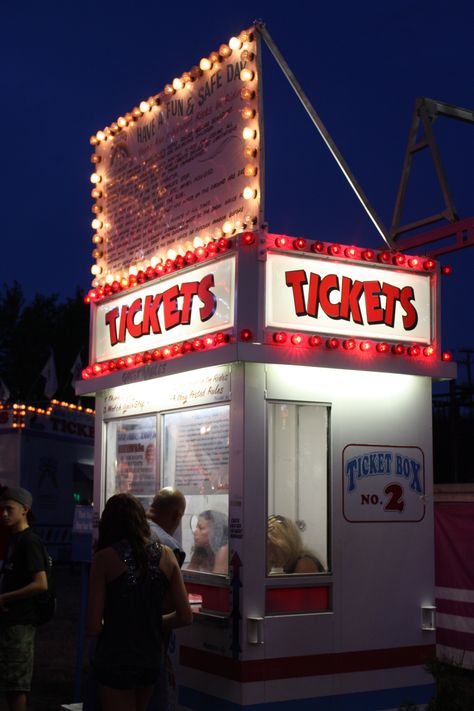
23, 575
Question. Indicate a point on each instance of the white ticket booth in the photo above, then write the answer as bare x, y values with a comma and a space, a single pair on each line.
285, 387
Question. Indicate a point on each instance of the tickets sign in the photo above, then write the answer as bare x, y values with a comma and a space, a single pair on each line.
345, 298
185, 306
383, 483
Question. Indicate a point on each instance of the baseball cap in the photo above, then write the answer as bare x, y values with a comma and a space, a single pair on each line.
16, 493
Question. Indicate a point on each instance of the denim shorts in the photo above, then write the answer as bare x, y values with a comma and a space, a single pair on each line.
16, 657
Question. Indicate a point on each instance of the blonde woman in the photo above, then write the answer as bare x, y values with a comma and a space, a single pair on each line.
285, 550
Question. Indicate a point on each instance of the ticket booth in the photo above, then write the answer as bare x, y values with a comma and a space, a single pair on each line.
284, 385
288, 396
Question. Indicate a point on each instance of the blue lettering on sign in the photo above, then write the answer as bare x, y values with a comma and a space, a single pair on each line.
380, 464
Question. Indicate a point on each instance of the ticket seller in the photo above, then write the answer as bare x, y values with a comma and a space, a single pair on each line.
285, 550
211, 551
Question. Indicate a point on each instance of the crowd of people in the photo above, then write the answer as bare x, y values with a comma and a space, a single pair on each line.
137, 595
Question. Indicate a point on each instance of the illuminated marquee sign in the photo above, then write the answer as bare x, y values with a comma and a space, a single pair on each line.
181, 307
350, 299
181, 169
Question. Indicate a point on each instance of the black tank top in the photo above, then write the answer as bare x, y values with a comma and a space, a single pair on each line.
132, 636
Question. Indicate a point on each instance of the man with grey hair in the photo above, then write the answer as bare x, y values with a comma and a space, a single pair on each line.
164, 516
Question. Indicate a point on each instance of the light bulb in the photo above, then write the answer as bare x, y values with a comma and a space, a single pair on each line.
100, 135
247, 94
248, 113
97, 239
177, 84
198, 242
225, 50
96, 224
171, 254
95, 269
121, 121
227, 228
248, 133
95, 178
250, 170
205, 64
249, 193
235, 43
246, 74
169, 89
144, 107
250, 152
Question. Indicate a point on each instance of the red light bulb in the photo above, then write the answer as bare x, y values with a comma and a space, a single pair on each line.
248, 238
279, 337
446, 356
317, 247
281, 242
315, 341
296, 339
349, 344
382, 347
429, 265
365, 346
398, 349
299, 243
246, 335
332, 343
334, 249
428, 351
446, 270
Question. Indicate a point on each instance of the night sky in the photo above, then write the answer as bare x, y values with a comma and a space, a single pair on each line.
69, 69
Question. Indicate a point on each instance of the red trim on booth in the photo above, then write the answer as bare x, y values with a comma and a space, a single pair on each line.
456, 639
280, 601
310, 665
213, 597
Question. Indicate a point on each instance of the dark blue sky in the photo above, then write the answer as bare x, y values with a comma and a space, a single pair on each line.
69, 69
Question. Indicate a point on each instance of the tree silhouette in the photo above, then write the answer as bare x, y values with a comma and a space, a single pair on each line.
28, 332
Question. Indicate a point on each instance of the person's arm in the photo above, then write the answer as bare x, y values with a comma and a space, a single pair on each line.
182, 614
38, 584
221, 561
96, 601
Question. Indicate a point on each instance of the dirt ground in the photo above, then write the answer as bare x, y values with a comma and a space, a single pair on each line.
55, 676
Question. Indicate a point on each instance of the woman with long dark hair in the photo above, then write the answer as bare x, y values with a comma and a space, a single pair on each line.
211, 551
136, 595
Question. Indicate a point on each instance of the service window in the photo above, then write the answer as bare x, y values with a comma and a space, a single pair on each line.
297, 506
196, 461
131, 458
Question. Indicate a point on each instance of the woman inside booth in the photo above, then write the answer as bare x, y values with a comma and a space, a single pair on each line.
211, 550
286, 553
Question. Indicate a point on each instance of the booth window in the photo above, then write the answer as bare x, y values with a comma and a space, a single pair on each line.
196, 461
297, 506
131, 462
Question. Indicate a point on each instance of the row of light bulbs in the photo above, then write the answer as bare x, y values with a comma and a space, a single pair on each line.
237, 43
249, 135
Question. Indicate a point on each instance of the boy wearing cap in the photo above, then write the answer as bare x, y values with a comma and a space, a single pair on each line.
24, 575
